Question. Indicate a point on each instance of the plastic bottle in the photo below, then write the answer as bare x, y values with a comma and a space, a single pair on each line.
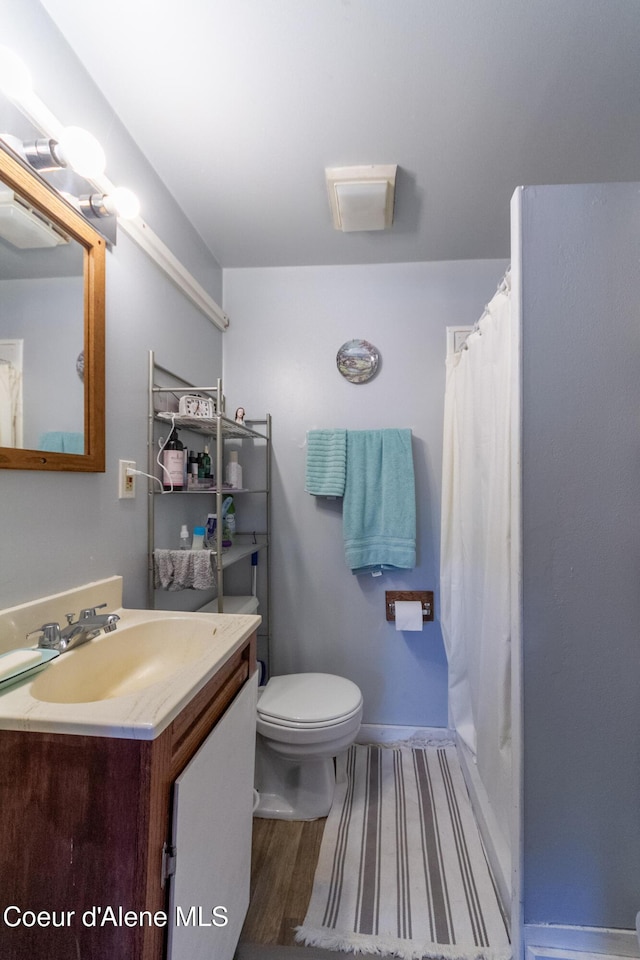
229, 525
210, 534
185, 540
206, 462
173, 460
198, 538
233, 473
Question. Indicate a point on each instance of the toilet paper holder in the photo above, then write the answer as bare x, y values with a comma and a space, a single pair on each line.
424, 596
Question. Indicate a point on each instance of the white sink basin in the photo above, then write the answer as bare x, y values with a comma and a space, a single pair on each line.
126, 661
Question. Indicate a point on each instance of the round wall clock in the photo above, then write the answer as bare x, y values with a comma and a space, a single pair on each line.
357, 360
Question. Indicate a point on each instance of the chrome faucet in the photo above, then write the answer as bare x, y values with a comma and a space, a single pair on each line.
51, 636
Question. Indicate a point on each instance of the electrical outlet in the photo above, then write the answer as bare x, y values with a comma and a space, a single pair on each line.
126, 482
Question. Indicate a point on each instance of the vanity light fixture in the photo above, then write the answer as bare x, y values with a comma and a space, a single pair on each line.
76, 148
361, 198
15, 83
80, 150
120, 202
125, 203
39, 154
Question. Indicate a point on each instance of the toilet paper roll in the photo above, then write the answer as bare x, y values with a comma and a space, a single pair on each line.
408, 615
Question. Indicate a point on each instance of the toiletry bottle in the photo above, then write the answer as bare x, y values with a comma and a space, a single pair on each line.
233, 475
173, 460
200, 466
210, 535
206, 462
193, 466
198, 538
229, 525
185, 540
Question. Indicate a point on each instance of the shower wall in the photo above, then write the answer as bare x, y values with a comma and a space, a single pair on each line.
580, 251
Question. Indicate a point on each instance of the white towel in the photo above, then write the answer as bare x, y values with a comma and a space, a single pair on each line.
183, 570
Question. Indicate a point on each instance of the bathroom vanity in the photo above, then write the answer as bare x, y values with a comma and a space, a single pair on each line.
127, 820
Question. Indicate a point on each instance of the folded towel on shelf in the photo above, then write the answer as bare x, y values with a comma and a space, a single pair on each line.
379, 516
183, 570
326, 463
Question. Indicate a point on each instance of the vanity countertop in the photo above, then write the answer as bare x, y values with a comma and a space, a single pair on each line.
140, 715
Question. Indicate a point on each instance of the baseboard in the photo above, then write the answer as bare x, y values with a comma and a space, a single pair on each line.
556, 942
390, 733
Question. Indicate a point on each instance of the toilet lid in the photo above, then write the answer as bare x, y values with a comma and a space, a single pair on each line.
309, 698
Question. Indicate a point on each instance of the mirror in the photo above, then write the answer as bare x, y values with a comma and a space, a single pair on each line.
52, 297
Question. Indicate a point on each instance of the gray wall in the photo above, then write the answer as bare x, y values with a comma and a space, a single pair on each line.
61, 530
280, 356
581, 536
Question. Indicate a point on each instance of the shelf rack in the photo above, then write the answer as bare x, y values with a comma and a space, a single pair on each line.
217, 428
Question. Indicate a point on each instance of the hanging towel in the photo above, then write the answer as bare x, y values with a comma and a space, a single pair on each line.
326, 462
62, 441
379, 515
183, 570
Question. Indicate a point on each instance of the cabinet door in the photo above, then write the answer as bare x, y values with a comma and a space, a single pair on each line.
212, 822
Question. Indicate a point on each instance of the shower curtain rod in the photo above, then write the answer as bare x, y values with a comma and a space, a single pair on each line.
503, 287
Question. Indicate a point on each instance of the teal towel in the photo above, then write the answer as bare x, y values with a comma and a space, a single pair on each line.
379, 515
326, 463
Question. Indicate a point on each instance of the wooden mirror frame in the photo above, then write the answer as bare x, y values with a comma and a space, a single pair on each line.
22, 179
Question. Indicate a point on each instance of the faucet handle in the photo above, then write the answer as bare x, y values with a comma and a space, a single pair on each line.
49, 635
89, 612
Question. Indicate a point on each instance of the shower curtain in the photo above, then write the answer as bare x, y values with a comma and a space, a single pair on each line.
10, 405
475, 551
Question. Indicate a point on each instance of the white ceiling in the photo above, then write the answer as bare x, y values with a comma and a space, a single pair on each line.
241, 104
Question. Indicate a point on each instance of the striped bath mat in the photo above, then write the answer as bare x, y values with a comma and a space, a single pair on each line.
401, 869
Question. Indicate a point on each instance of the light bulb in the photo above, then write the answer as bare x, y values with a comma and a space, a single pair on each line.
125, 202
121, 202
82, 152
15, 79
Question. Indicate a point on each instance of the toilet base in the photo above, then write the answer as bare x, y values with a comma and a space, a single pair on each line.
292, 789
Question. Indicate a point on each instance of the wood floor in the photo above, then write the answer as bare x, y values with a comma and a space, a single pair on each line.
283, 863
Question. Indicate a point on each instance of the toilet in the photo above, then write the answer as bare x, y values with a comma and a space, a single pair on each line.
304, 721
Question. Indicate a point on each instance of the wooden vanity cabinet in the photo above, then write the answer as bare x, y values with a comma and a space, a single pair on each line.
85, 821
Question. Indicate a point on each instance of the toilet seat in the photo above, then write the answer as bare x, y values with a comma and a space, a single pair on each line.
302, 725
309, 701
